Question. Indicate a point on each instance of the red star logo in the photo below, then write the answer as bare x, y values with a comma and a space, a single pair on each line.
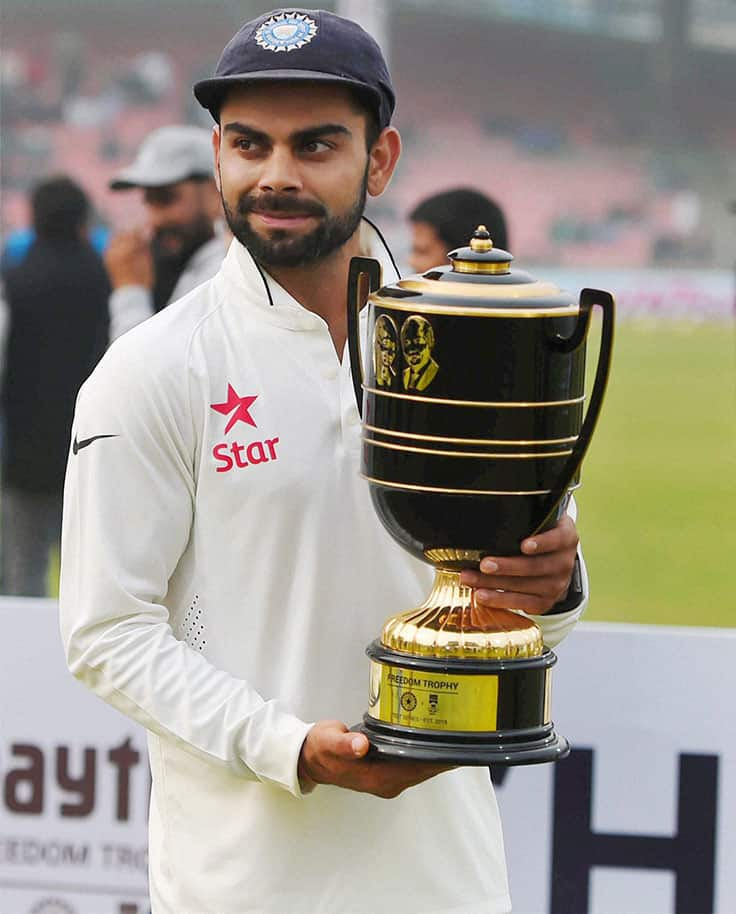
241, 405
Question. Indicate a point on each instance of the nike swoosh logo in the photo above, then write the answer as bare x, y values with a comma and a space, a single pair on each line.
78, 445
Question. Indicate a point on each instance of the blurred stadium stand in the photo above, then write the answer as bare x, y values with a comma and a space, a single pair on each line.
605, 129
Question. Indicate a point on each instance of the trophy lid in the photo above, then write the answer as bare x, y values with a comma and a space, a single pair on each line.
480, 280
480, 257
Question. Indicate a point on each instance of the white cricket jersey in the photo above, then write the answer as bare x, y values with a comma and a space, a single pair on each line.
223, 570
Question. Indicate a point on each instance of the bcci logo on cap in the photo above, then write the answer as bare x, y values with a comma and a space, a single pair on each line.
286, 32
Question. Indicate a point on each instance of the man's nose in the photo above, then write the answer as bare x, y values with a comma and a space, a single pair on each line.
280, 173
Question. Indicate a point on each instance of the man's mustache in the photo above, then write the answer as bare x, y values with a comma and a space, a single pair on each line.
279, 203
162, 234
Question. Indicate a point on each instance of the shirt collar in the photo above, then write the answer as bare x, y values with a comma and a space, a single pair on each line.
240, 268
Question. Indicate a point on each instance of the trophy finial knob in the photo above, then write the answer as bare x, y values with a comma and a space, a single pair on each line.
481, 240
480, 256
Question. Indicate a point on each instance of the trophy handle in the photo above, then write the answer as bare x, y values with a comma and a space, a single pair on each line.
589, 298
364, 277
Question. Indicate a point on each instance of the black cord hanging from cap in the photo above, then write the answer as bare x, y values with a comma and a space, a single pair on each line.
384, 243
263, 277
365, 219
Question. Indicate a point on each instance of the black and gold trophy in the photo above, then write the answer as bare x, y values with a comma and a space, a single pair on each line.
474, 429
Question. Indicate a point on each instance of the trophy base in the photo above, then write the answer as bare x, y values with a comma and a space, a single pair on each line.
461, 711
519, 747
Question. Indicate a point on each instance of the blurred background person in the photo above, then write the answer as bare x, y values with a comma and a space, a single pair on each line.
56, 323
20, 241
180, 245
446, 221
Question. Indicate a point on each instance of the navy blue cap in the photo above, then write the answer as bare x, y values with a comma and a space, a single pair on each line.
298, 44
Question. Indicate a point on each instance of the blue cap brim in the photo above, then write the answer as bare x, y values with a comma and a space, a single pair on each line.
210, 92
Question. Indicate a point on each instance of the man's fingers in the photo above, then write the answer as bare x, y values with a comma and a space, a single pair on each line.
542, 554
387, 778
342, 743
355, 745
509, 599
516, 567
535, 585
331, 754
562, 536
128, 241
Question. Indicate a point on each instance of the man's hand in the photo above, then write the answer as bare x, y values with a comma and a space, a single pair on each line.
128, 260
534, 581
331, 754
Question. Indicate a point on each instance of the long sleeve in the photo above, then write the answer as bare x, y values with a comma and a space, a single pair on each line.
128, 513
556, 626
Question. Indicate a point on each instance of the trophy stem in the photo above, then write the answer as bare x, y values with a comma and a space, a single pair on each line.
450, 624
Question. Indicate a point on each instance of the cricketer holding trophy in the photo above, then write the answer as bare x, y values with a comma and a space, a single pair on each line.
223, 567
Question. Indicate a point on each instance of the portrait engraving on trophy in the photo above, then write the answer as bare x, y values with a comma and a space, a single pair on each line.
385, 351
417, 345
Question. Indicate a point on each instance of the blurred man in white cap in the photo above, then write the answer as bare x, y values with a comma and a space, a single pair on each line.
179, 247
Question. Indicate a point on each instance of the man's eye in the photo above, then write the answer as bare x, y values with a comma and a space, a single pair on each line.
315, 146
244, 144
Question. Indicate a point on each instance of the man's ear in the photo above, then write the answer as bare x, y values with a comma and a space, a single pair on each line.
382, 160
212, 200
216, 150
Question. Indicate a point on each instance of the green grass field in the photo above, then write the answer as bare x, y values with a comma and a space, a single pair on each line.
658, 500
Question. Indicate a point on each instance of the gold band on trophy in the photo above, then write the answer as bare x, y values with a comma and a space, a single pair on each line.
524, 455
530, 290
472, 441
443, 490
508, 404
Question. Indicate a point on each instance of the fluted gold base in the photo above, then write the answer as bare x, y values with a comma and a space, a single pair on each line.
449, 624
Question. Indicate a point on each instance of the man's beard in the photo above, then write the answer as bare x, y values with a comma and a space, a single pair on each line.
280, 249
169, 264
190, 237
